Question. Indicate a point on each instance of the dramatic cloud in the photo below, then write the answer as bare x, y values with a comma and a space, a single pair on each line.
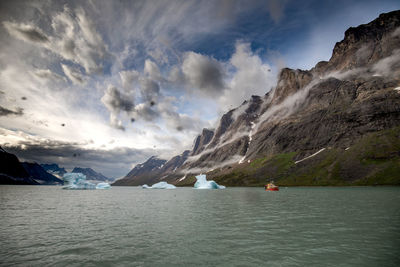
7, 112
116, 102
25, 32
250, 77
75, 38
204, 73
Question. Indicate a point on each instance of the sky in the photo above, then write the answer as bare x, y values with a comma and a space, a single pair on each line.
107, 84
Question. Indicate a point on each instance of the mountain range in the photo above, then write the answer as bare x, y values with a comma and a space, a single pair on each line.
54, 169
335, 124
91, 174
12, 171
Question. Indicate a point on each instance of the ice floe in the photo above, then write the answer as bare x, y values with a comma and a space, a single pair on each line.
103, 186
160, 185
77, 181
202, 183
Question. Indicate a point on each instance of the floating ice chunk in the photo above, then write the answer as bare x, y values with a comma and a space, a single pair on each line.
77, 181
160, 185
103, 186
202, 183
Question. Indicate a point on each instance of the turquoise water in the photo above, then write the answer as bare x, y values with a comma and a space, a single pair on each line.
127, 226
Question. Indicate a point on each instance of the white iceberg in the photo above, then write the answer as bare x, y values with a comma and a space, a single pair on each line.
202, 183
160, 185
103, 186
77, 181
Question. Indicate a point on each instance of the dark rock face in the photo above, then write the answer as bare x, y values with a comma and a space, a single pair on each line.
12, 171
54, 169
91, 174
10, 165
333, 106
290, 81
365, 44
39, 174
201, 141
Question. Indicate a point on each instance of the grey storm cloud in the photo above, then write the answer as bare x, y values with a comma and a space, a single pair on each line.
26, 32
204, 73
113, 163
117, 102
73, 37
7, 112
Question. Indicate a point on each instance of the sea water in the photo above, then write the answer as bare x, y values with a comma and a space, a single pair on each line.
128, 226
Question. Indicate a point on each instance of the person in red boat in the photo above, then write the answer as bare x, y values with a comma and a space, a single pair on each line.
271, 187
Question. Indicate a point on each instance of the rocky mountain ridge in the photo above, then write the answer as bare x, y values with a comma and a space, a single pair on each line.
12, 171
332, 107
40, 175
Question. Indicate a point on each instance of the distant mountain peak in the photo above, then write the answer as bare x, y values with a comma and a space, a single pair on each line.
91, 174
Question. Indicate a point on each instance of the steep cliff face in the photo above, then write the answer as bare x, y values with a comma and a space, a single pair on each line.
12, 171
366, 44
325, 110
202, 141
39, 174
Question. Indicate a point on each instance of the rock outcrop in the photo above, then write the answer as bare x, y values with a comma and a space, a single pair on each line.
12, 171
39, 174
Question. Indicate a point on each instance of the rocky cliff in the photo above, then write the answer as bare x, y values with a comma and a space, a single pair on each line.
39, 174
316, 126
12, 171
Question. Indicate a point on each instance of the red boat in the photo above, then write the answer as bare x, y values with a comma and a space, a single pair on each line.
271, 187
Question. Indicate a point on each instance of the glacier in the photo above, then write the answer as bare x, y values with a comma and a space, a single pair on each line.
160, 185
202, 183
77, 181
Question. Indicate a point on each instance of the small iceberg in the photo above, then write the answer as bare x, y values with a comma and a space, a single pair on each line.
202, 183
103, 186
160, 185
77, 181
